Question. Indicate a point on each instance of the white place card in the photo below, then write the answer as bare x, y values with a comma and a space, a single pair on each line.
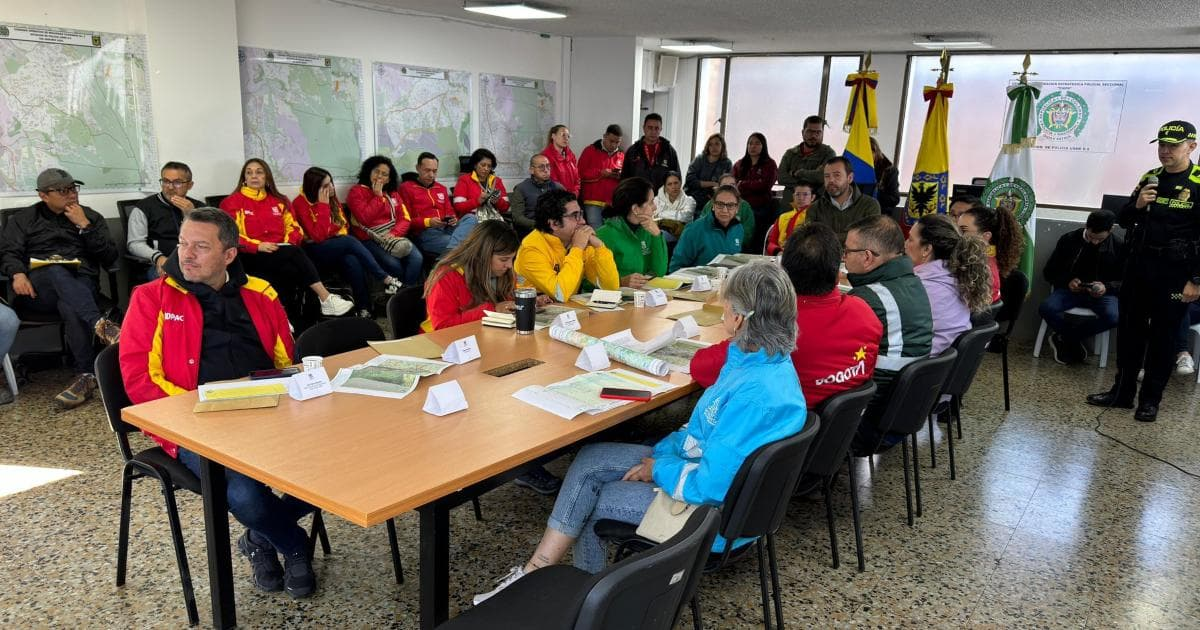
445, 398
656, 297
462, 351
593, 358
701, 283
686, 327
567, 319
310, 384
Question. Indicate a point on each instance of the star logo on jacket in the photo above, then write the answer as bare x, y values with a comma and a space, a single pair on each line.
861, 354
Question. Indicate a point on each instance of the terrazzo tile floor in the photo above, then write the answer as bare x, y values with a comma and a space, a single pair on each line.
1049, 525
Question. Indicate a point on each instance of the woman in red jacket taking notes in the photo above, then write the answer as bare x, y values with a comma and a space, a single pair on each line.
329, 242
270, 238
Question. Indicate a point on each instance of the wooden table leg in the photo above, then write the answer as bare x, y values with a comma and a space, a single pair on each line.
216, 528
435, 564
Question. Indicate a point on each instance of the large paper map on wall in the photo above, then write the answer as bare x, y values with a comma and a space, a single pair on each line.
514, 116
301, 110
422, 109
76, 100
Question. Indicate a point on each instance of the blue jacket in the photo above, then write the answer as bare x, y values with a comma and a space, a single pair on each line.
703, 239
756, 400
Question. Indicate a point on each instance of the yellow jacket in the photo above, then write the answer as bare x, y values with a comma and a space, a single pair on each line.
544, 263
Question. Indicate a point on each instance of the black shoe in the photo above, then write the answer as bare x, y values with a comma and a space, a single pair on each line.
1056, 349
1108, 399
539, 480
1146, 412
264, 564
299, 580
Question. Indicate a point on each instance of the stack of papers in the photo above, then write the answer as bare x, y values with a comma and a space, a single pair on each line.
499, 320
581, 394
387, 376
600, 300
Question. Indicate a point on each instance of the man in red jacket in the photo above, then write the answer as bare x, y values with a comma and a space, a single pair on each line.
437, 226
600, 172
839, 334
206, 320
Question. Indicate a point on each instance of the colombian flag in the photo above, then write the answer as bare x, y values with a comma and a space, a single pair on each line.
930, 188
860, 122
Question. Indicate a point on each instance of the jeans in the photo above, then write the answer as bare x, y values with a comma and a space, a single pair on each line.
1191, 319
406, 270
438, 241
9, 323
594, 215
257, 507
73, 297
354, 262
593, 490
1060, 301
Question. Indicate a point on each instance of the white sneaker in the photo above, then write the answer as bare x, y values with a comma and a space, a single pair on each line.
391, 286
335, 305
1141, 375
514, 574
1184, 365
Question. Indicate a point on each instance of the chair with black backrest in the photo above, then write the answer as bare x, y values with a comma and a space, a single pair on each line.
137, 266
153, 463
914, 392
971, 346
646, 591
841, 414
1013, 291
406, 311
754, 507
214, 201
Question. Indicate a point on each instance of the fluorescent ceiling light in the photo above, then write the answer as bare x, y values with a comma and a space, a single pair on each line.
696, 47
514, 11
935, 42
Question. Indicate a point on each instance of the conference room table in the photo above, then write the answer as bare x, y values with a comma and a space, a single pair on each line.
368, 459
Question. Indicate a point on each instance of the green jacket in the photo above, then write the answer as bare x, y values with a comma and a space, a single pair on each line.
861, 206
899, 300
634, 251
796, 168
745, 216
703, 239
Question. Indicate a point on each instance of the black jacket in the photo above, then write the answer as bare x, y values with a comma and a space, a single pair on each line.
636, 164
161, 221
1074, 257
36, 232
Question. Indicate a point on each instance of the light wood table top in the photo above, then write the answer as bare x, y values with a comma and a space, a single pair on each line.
368, 459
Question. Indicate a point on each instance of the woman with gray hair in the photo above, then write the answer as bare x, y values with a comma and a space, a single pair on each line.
756, 400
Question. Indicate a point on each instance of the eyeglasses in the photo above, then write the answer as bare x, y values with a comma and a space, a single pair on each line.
542, 167
813, 132
721, 205
852, 251
174, 183
64, 191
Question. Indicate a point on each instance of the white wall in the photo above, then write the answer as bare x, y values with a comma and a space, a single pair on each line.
888, 96
605, 88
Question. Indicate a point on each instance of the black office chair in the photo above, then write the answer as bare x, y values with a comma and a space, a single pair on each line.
214, 201
154, 463
914, 392
754, 507
406, 311
1013, 291
137, 267
841, 413
646, 591
971, 346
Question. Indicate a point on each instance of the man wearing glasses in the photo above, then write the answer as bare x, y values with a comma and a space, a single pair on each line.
154, 222
882, 275
564, 251
53, 252
523, 199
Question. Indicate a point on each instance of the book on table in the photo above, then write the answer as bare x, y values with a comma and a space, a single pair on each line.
499, 320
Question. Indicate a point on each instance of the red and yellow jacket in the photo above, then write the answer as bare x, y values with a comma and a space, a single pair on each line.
468, 189
782, 228
319, 222
161, 338
564, 168
426, 203
370, 210
261, 219
594, 189
449, 303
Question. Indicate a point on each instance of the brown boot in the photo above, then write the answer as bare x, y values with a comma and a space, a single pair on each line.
108, 331
77, 393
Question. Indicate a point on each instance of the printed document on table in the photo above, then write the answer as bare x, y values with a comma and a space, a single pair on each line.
373, 380
229, 390
409, 365
581, 393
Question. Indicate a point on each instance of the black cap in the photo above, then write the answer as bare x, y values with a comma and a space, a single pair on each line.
52, 178
1175, 132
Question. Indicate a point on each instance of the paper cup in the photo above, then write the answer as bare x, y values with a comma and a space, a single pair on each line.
312, 363
639, 299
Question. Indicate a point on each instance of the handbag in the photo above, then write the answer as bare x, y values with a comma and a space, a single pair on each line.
664, 518
397, 246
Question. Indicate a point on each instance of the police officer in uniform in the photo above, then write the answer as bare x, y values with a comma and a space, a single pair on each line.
1163, 272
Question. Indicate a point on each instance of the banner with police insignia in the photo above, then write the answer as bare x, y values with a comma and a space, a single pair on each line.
930, 188
1079, 116
1011, 185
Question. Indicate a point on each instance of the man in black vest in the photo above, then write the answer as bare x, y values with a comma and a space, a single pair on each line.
153, 230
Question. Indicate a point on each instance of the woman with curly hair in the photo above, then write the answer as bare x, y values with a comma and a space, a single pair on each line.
1000, 230
954, 270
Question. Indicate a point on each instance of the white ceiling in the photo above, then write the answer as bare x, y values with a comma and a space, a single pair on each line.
854, 25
